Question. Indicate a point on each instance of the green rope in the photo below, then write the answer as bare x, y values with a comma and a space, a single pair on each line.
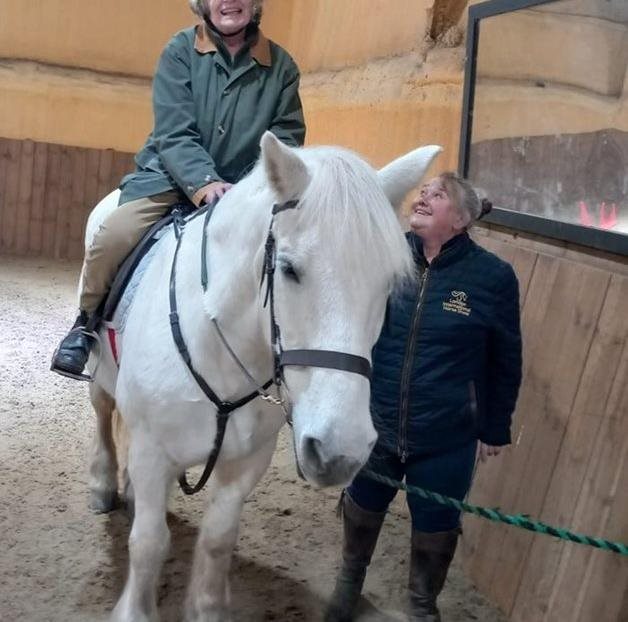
518, 520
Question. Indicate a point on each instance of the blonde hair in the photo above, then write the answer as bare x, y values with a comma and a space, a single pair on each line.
200, 8
464, 196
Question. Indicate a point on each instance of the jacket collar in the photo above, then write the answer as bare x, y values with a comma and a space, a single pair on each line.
260, 50
450, 252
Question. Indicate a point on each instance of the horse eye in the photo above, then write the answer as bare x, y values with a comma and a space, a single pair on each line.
288, 271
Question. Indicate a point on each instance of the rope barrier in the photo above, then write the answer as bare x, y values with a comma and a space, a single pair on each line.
518, 520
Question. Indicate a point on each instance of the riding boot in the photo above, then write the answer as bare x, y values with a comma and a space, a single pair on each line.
361, 530
70, 357
430, 558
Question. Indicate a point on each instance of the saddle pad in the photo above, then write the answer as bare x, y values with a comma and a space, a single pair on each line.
131, 273
118, 321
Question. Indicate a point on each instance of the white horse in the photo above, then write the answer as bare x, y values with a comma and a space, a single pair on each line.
338, 254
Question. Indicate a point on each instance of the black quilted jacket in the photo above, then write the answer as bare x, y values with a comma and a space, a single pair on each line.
447, 365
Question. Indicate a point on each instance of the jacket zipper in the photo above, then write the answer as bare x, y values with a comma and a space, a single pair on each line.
402, 448
473, 400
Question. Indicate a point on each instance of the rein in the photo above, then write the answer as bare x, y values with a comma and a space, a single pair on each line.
224, 408
329, 359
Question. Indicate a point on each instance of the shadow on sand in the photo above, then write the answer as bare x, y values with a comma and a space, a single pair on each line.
258, 592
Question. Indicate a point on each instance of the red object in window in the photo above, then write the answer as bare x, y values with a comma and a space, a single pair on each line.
608, 220
585, 217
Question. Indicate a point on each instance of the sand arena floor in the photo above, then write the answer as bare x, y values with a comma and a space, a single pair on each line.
62, 563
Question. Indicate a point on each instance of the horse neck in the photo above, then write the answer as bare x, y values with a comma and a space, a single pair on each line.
235, 240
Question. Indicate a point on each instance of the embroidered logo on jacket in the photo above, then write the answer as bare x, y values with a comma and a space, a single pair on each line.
457, 303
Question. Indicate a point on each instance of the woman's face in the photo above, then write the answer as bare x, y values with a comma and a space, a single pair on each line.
230, 16
434, 216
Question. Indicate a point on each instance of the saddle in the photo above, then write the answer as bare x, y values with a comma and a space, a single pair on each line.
133, 259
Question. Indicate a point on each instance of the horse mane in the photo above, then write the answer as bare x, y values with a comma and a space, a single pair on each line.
345, 196
344, 201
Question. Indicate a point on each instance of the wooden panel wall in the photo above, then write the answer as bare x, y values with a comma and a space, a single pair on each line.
47, 192
568, 465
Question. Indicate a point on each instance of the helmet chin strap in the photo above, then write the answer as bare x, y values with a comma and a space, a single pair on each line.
213, 26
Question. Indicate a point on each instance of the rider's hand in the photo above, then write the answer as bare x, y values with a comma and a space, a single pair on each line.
484, 451
208, 193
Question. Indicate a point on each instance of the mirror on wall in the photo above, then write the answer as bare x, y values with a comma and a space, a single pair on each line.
545, 122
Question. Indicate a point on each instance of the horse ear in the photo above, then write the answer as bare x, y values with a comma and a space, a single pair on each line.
286, 172
406, 172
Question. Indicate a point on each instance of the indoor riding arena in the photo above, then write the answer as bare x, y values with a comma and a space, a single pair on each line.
529, 101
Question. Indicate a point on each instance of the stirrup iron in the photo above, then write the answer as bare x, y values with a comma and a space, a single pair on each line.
92, 334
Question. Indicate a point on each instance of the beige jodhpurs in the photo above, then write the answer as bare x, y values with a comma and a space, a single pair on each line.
114, 240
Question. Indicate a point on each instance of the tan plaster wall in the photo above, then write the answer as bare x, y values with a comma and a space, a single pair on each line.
117, 36
59, 108
386, 108
368, 82
73, 108
330, 34
126, 36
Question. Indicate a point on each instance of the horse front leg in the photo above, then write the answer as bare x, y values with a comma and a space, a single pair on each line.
103, 469
208, 593
151, 473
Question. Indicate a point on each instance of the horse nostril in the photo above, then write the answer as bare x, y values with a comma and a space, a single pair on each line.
313, 453
372, 444
326, 469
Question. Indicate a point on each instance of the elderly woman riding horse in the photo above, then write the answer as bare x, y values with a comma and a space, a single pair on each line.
219, 86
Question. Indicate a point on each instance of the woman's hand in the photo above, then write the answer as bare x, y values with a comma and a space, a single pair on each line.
208, 193
484, 451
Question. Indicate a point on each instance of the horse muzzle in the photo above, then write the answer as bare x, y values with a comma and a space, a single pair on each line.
325, 468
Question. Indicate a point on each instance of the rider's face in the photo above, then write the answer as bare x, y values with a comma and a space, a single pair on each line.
230, 16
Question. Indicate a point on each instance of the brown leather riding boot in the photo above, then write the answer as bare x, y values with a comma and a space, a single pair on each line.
430, 558
361, 530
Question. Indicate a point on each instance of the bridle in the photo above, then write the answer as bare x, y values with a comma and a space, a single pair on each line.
329, 359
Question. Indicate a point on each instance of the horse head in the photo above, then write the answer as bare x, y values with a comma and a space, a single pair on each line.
339, 253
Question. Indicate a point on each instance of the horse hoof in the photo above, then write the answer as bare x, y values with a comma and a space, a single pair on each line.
103, 501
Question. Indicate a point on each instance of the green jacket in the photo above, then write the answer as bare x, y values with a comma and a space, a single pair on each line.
210, 113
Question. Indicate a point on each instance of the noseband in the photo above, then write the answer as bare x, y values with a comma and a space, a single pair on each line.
329, 359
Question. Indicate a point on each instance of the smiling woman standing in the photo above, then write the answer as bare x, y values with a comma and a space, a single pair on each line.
446, 374
218, 87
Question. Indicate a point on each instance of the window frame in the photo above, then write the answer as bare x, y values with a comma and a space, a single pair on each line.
600, 239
